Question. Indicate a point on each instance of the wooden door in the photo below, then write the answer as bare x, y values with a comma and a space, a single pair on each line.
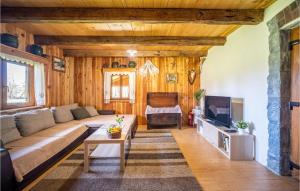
295, 98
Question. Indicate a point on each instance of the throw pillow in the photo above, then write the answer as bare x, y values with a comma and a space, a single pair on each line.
63, 113
9, 131
80, 113
92, 111
33, 121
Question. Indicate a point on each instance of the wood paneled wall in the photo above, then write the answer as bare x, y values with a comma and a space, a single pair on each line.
88, 77
59, 84
60, 87
83, 80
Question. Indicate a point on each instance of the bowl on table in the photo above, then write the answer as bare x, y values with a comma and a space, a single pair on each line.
114, 132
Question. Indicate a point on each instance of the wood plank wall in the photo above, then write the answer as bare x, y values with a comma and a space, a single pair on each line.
83, 81
88, 89
60, 88
59, 85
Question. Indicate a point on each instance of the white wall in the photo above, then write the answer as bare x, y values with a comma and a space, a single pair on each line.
240, 69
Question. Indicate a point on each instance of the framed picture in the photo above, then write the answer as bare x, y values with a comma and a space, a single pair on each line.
58, 64
171, 78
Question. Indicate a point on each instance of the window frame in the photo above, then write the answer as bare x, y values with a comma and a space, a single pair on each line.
121, 88
30, 84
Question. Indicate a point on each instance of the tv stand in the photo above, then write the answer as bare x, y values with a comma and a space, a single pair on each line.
215, 123
233, 145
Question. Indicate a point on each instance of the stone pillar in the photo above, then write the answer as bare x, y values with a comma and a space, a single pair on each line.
279, 89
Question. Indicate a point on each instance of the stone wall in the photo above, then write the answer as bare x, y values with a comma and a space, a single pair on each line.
279, 90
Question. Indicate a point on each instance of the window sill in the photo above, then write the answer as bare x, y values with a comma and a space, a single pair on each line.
119, 100
17, 110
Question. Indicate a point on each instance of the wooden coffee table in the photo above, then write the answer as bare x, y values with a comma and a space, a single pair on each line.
106, 147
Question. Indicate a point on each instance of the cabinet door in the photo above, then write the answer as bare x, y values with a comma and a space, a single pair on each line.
210, 133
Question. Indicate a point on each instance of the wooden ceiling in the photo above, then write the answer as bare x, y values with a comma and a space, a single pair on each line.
135, 25
201, 4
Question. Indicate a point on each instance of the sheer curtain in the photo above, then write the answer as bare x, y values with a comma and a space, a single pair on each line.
39, 84
107, 86
132, 87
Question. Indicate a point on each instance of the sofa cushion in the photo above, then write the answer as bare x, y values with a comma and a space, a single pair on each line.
25, 159
63, 113
9, 131
92, 111
61, 130
29, 152
80, 113
33, 121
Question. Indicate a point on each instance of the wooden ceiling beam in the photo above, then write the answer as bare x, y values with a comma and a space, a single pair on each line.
143, 40
123, 53
109, 15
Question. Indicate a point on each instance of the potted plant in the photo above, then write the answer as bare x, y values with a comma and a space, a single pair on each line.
199, 94
241, 126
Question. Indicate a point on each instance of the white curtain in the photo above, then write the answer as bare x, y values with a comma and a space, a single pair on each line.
132, 87
39, 84
107, 85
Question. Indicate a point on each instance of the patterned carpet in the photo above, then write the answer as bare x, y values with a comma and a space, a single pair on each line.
154, 163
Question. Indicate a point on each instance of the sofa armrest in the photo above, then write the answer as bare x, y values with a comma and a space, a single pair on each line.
107, 112
8, 181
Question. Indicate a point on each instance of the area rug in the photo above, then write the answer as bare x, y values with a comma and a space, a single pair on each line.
154, 163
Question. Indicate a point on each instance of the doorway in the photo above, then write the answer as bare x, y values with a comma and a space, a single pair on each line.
295, 102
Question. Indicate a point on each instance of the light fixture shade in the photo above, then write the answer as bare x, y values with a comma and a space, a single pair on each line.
131, 53
148, 67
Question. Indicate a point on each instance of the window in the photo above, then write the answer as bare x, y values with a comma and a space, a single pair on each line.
17, 84
119, 87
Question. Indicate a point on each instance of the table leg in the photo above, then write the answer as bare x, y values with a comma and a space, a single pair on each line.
86, 157
129, 140
122, 157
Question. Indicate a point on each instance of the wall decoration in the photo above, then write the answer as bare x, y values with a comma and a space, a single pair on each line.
106, 65
115, 64
192, 76
131, 64
58, 64
148, 68
171, 78
201, 60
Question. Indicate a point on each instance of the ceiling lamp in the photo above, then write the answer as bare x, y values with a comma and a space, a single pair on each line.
149, 68
131, 53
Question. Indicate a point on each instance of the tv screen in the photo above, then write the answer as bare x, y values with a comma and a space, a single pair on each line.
217, 109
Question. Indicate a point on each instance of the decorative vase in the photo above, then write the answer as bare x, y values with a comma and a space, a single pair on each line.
35, 49
198, 107
9, 40
131, 64
241, 131
115, 64
105, 65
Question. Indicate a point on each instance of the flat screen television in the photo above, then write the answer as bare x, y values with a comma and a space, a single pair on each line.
218, 110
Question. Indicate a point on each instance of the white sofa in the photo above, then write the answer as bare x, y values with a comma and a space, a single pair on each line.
37, 145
